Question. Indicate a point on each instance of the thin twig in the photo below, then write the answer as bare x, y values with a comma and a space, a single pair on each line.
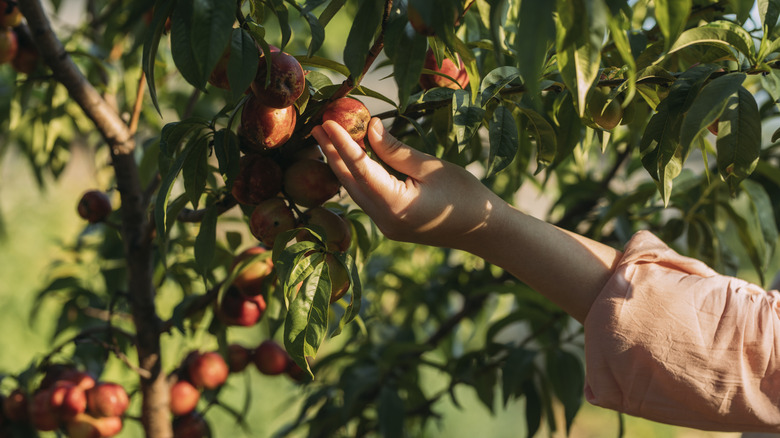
138, 105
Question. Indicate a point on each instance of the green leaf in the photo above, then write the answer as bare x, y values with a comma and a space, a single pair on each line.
163, 196
579, 47
390, 409
660, 150
226, 148
200, 32
496, 80
330, 11
768, 11
535, 28
408, 63
151, 44
355, 290
544, 134
307, 318
282, 15
466, 117
761, 208
739, 138
242, 65
517, 371
569, 127
721, 33
318, 61
205, 242
364, 26
503, 138
708, 106
196, 169
672, 15
317, 30
567, 377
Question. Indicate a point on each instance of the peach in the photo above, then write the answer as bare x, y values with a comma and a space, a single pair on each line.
94, 206
287, 81
208, 370
270, 358
239, 309
264, 127
251, 280
269, 219
258, 179
456, 72
351, 114
10, 16
184, 397
338, 234
9, 45
310, 182
15, 405
107, 399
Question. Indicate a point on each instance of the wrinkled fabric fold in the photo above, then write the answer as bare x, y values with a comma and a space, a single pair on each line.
671, 340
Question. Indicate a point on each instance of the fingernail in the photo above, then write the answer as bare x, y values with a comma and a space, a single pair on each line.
378, 128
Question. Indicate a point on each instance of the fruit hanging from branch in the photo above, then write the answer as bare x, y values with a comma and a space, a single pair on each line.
264, 127
351, 114
310, 183
286, 81
455, 78
259, 178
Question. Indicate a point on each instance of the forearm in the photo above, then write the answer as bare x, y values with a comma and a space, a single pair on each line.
567, 268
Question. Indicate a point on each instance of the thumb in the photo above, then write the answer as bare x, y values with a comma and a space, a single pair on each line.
398, 155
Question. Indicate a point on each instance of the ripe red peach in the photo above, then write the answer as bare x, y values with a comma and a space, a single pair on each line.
87, 426
41, 415
239, 309
270, 358
208, 370
351, 114
238, 357
94, 206
67, 400
310, 183
26, 59
8, 45
287, 81
258, 179
107, 399
264, 127
270, 218
456, 72
184, 397
15, 405
192, 425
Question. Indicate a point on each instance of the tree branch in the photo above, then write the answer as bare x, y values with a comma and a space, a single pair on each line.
138, 246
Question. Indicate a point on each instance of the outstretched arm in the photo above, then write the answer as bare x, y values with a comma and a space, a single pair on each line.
442, 204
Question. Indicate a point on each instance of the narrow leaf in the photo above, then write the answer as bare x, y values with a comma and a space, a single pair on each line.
205, 242
708, 106
364, 26
503, 138
739, 138
671, 16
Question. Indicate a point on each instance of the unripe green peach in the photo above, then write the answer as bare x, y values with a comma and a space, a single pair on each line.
606, 115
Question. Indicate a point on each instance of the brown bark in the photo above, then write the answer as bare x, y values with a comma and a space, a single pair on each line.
138, 247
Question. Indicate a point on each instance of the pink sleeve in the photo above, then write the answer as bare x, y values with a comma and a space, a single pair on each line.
671, 340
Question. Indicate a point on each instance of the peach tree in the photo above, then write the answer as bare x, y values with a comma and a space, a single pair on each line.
220, 215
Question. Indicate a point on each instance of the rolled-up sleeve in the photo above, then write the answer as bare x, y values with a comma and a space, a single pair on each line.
671, 340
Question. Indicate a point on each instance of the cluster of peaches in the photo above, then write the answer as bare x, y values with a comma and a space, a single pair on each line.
70, 400
209, 371
16, 47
